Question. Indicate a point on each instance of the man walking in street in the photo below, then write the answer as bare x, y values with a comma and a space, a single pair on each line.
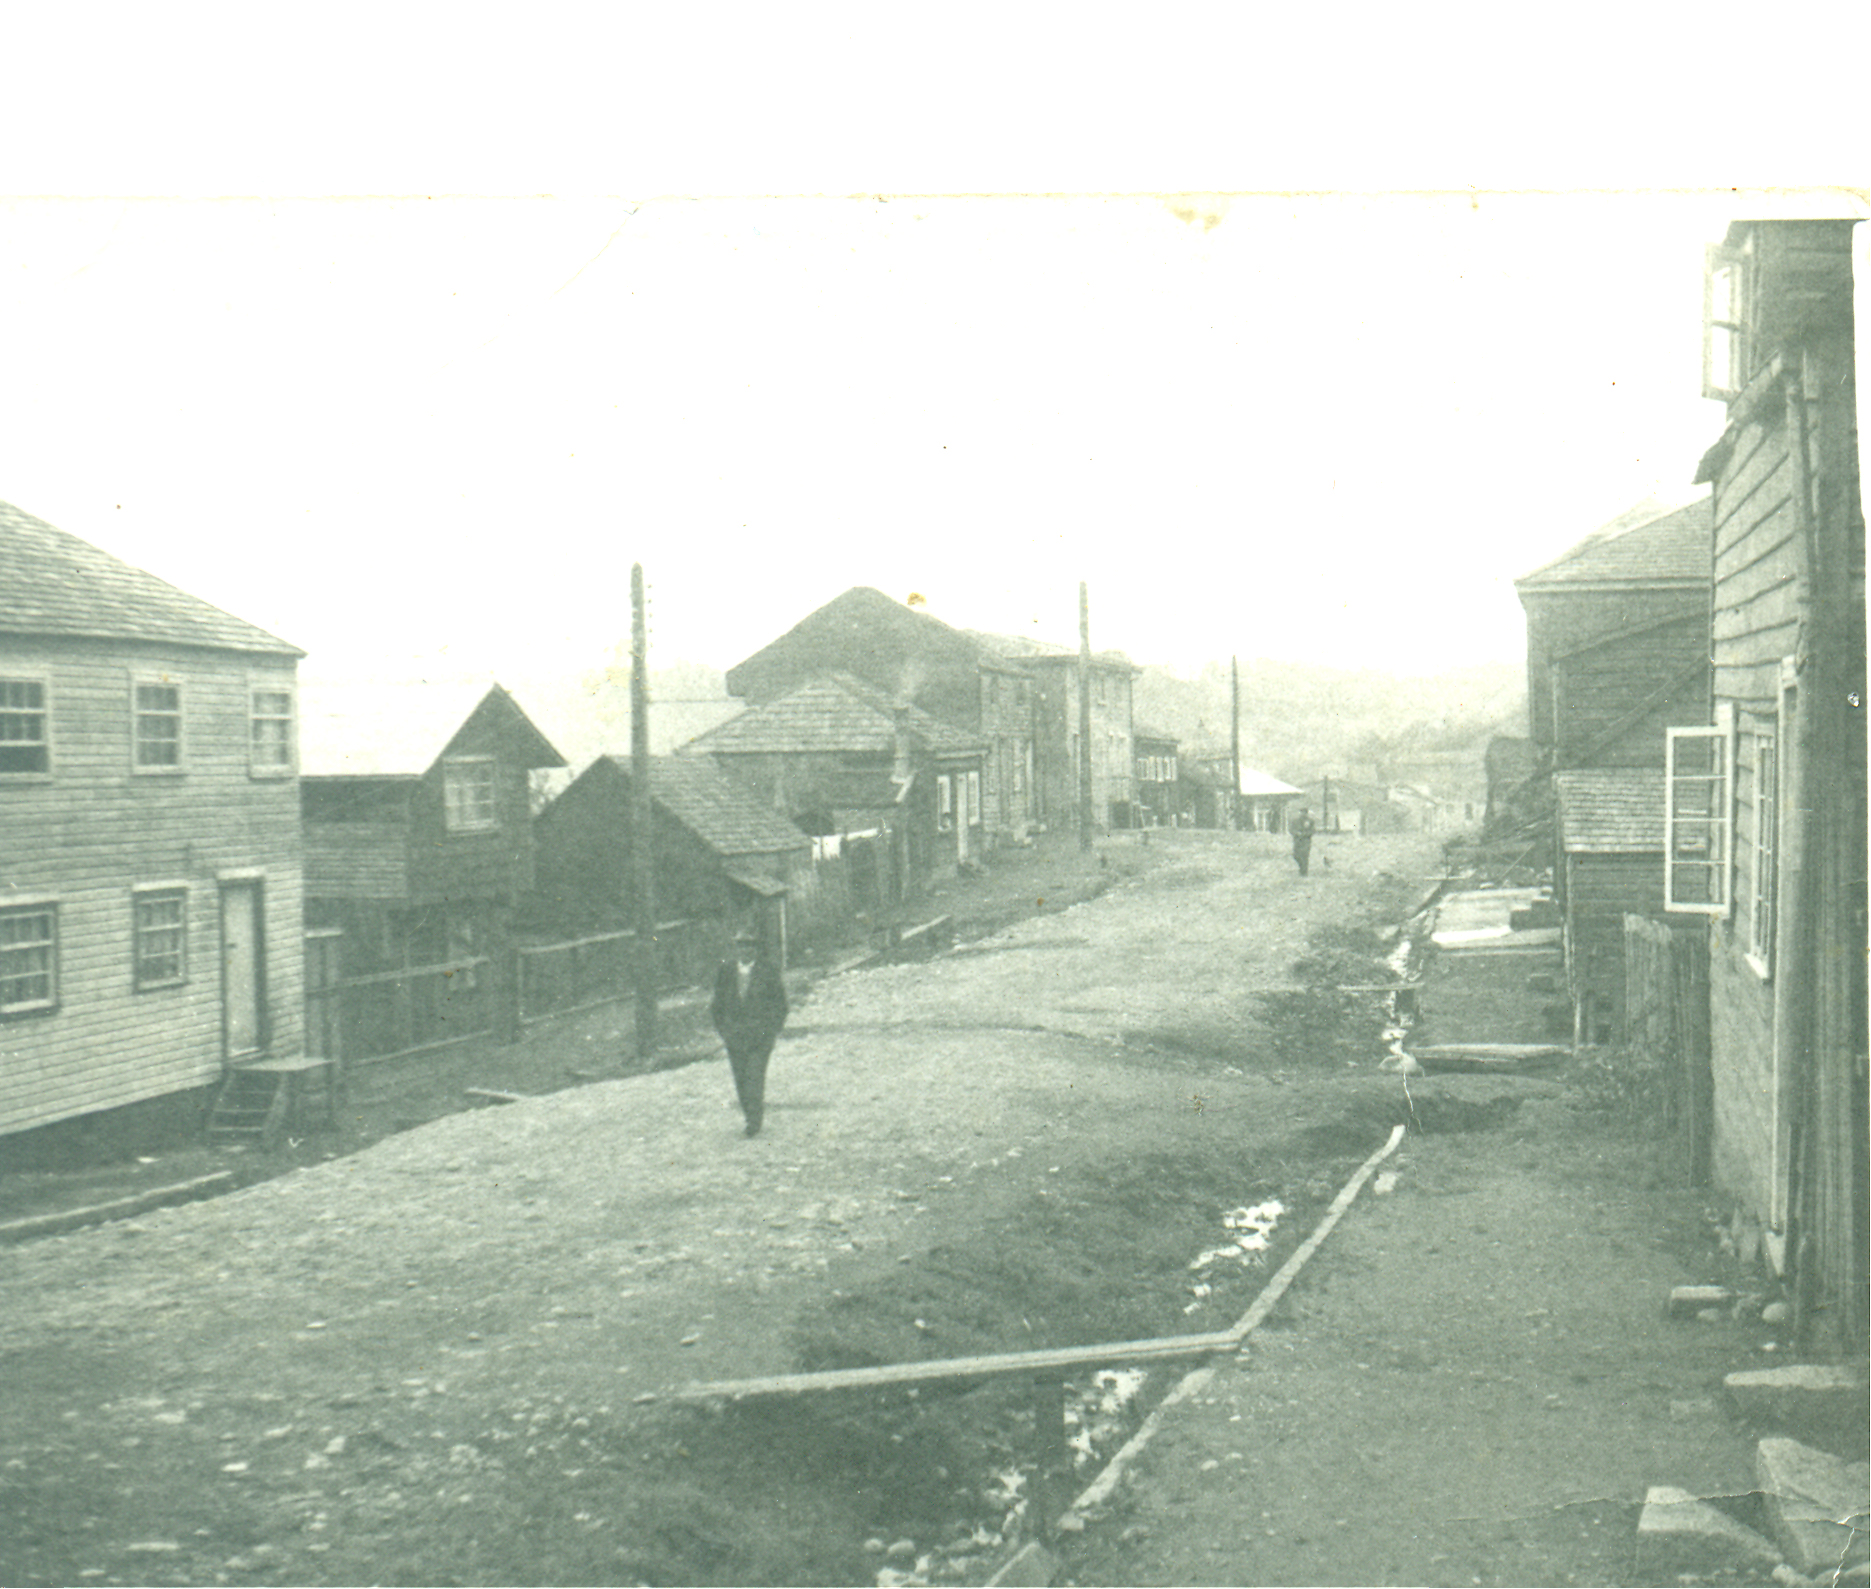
749, 1008
1302, 839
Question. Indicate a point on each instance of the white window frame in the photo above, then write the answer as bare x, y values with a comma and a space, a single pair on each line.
43, 711
1757, 929
973, 809
157, 681
1684, 826
945, 803
1734, 326
461, 815
151, 895
255, 717
10, 948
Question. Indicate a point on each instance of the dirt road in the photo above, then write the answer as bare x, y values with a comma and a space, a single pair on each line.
428, 1362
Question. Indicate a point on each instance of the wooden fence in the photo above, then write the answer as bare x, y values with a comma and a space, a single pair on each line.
583, 973
1666, 1017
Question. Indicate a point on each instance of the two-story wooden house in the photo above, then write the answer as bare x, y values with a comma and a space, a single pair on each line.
150, 871
1056, 727
1160, 800
419, 849
840, 760
1766, 810
1617, 652
957, 677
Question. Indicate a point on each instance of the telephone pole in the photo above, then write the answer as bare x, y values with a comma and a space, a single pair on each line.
1084, 717
642, 820
1234, 740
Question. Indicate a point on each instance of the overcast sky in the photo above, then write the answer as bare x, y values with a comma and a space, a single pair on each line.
434, 433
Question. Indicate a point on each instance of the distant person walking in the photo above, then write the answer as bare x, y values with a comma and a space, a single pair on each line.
749, 1008
1303, 830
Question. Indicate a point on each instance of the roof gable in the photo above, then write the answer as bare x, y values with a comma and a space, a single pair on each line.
57, 584
835, 712
1646, 546
400, 729
860, 623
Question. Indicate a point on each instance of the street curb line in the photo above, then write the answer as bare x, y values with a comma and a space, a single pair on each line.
121, 1208
1198, 1379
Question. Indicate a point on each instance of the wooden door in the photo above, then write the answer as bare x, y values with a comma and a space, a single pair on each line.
243, 1007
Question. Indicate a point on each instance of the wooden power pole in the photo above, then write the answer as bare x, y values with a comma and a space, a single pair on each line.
1084, 717
1234, 739
642, 821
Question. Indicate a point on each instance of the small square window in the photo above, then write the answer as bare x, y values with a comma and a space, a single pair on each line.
161, 938
23, 746
270, 731
158, 727
28, 959
468, 791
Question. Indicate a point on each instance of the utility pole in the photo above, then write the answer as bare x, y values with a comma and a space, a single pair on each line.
642, 820
1234, 740
1084, 717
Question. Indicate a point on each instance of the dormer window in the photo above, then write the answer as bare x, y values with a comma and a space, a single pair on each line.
468, 794
1725, 351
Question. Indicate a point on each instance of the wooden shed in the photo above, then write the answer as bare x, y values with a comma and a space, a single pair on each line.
721, 856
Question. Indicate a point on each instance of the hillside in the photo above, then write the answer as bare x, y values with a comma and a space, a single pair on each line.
1300, 721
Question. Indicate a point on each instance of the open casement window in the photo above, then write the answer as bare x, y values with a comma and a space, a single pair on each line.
468, 794
1696, 820
1725, 350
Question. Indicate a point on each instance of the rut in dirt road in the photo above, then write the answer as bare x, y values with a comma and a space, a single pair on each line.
422, 1363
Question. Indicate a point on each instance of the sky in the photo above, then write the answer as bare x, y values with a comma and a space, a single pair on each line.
759, 341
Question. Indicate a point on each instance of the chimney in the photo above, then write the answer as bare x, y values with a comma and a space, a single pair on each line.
900, 770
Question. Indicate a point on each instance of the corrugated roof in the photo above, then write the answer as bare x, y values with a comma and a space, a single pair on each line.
1610, 810
835, 712
1648, 545
1254, 782
396, 728
713, 807
57, 584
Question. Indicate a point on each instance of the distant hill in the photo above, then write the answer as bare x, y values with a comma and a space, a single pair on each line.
1301, 722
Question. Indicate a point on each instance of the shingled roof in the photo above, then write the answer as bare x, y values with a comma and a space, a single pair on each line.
1610, 810
835, 712
1647, 546
56, 584
709, 803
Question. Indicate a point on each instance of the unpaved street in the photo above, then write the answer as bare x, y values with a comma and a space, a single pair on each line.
432, 1361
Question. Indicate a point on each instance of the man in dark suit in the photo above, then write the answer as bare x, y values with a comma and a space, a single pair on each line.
749, 1008
1302, 840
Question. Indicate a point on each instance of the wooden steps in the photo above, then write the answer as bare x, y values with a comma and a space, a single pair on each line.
257, 1101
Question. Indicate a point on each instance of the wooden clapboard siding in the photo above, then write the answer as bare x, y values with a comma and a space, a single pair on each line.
1615, 699
92, 829
1601, 889
494, 864
356, 860
1742, 1043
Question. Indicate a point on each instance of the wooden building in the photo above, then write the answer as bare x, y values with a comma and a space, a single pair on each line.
899, 792
1610, 822
418, 827
150, 858
1766, 809
1056, 720
1161, 801
957, 677
721, 856
1617, 652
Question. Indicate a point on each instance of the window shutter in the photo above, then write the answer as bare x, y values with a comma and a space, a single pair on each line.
1696, 821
